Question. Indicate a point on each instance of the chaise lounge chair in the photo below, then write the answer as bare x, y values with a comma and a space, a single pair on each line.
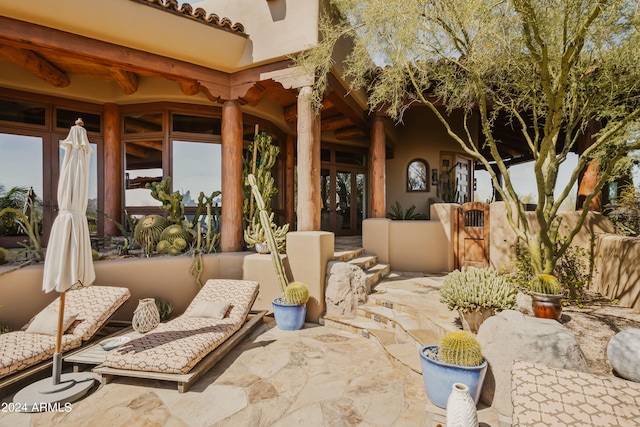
88, 309
186, 347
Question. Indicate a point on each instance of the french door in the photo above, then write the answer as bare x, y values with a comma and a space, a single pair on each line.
343, 198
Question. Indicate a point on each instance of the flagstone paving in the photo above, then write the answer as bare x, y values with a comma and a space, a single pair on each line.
317, 376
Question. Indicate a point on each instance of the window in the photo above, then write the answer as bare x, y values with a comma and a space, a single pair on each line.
143, 165
197, 167
418, 175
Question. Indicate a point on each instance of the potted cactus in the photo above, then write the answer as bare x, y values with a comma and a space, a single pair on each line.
477, 293
457, 359
546, 297
290, 309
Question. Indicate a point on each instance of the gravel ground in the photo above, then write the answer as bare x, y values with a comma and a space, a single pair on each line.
594, 324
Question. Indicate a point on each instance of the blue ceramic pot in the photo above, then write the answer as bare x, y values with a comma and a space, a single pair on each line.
439, 378
289, 317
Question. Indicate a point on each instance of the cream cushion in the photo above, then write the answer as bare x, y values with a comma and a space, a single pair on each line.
46, 322
211, 309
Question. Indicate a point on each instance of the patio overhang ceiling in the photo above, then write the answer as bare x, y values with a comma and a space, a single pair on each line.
55, 56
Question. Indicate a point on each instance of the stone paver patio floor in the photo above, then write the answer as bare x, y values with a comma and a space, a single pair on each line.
317, 376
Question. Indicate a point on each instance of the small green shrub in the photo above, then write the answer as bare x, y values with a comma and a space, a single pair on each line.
474, 288
398, 213
164, 308
460, 348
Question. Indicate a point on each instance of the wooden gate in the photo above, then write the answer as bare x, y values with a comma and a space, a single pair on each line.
471, 235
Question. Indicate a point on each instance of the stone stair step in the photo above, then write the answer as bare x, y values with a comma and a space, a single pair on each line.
406, 354
364, 261
376, 273
347, 255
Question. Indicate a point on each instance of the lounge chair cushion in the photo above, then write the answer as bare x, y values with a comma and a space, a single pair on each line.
46, 322
176, 346
212, 309
93, 305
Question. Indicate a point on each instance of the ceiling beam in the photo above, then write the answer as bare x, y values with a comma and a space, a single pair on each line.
127, 80
54, 42
36, 65
333, 123
349, 133
190, 88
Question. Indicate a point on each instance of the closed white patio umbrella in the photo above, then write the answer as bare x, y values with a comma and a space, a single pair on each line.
68, 262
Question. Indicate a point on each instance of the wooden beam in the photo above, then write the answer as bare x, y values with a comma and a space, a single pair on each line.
127, 80
190, 88
136, 151
154, 145
232, 185
54, 42
333, 123
377, 169
349, 133
291, 111
36, 65
113, 164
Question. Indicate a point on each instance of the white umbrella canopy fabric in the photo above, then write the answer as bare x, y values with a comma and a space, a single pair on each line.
68, 260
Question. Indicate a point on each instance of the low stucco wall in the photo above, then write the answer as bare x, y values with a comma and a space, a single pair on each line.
618, 269
408, 245
166, 277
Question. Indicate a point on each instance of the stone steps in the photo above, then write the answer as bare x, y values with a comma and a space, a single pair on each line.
402, 315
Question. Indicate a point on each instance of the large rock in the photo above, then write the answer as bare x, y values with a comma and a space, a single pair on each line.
346, 288
509, 336
623, 352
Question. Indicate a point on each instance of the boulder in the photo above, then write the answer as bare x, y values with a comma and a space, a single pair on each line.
346, 288
511, 335
623, 352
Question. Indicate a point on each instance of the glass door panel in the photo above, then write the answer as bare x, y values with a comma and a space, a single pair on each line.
21, 181
343, 201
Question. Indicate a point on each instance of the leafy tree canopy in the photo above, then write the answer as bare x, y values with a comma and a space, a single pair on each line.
554, 68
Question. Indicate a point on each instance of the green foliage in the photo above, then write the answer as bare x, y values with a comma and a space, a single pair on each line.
545, 284
472, 289
95, 256
574, 270
207, 240
626, 215
3, 256
460, 348
296, 293
262, 156
550, 73
165, 308
171, 202
398, 213
148, 230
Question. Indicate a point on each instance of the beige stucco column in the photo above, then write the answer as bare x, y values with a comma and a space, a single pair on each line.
113, 164
231, 227
309, 201
377, 159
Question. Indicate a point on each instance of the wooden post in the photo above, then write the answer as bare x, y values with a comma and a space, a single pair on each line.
309, 201
113, 164
231, 227
289, 178
590, 175
377, 166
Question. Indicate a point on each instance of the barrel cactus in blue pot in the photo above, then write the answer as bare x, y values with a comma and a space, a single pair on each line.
457, 359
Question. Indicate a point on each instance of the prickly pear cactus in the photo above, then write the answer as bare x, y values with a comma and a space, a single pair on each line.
460, 348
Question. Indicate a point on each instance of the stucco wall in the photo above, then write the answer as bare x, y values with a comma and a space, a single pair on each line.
618, 268
21, 294
421, 135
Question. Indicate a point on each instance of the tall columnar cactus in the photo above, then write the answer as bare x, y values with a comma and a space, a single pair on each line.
265, 221
460, 348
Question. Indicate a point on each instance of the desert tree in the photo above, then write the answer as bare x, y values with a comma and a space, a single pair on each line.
556, 69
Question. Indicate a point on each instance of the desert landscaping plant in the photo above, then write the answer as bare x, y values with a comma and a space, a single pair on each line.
472, 288
559, 75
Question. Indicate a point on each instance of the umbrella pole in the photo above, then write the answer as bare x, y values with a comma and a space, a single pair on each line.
57, 356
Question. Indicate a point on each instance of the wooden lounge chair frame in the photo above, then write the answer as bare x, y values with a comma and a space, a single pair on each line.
184, 381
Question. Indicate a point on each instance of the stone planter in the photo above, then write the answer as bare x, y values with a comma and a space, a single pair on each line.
439, 377
289, 317
471, 321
